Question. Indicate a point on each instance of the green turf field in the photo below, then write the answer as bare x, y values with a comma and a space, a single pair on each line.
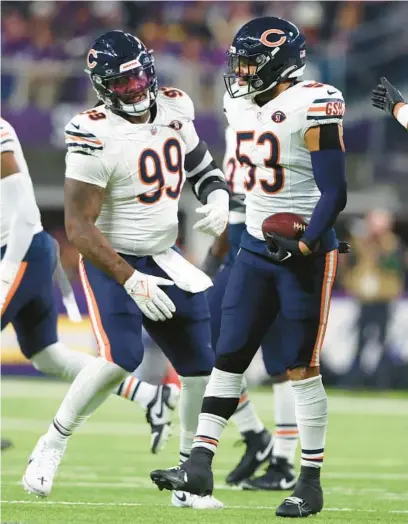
105, 473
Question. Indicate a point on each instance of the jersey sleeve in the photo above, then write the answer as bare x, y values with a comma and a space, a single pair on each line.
7, 137
326, 108
80, 138
179, 102
84, 159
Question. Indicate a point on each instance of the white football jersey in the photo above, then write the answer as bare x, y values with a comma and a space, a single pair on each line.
270, 141
141, 167
10, 142
235, 175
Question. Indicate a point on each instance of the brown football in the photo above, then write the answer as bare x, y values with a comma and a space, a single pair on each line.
288, 225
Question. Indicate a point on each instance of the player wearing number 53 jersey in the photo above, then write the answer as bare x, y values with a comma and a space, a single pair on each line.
126, 165
289, 135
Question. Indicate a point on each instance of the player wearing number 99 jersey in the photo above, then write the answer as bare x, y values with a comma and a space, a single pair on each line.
126, 165
289, 135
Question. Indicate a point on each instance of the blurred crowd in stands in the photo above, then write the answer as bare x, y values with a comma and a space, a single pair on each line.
44, 42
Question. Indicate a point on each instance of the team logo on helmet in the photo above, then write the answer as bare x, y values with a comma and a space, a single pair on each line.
176, 125
92, 54
278, 117
264, 38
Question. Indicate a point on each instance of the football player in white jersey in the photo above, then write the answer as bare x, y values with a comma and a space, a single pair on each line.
280, 473
387, 97
29, 261
289, 134
126, 165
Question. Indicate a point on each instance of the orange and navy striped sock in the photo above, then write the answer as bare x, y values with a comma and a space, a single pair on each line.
286, 441
135, 390
312, 457
311, 417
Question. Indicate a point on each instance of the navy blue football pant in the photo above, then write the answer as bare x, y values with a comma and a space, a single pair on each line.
117, 322
30, 305
287, 303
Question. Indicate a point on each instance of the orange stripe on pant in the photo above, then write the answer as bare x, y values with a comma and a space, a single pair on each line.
330, 270
96, 322
15, 286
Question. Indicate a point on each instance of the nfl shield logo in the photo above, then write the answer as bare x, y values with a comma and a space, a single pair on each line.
176, 125
278, 117
153, 130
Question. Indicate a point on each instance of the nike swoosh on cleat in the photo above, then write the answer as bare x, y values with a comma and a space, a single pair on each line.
76, 126
159, 414
284, 484
183, 498
263, 455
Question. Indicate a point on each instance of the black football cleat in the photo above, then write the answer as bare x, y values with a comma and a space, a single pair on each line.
279, 476
195, 478
307, 498
258, 451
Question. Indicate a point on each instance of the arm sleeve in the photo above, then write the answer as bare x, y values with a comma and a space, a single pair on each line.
329, 173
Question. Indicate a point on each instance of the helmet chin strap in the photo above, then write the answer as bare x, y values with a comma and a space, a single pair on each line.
137, 109
294, 74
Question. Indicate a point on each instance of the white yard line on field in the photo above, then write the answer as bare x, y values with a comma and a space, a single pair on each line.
137, 504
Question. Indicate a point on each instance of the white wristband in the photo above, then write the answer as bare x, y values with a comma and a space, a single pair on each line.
402, 115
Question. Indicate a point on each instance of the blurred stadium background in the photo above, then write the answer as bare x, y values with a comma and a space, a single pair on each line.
350, 45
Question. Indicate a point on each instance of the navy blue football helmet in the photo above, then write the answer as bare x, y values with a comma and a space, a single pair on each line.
264, 53
122, 72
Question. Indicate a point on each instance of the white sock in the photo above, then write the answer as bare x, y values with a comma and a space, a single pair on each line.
89, 390
222, 396
245, 416
286, 432
311, 416
134, 389
63, 362
191, 399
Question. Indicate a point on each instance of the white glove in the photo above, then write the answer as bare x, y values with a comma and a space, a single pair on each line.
216, 213
152, 301
8, 273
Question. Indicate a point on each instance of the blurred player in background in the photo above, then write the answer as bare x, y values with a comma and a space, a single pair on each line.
289, 134
280, 451
387, 97
125, 168
29, 261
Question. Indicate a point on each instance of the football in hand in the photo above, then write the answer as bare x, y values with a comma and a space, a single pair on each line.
288, 225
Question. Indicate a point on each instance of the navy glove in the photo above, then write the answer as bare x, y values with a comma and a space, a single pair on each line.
281, 248
385, 96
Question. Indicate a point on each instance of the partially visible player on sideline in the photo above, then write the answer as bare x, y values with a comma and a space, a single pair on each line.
289, 134
387, 97
261, 447
29, 260
126, 165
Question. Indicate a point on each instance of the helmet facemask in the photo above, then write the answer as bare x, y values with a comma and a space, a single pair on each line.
257, 73
133, 92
